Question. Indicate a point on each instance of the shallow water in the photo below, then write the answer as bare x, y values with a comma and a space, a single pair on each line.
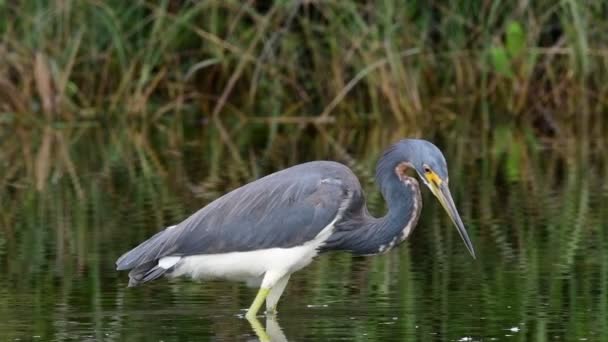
541, 274
384, 299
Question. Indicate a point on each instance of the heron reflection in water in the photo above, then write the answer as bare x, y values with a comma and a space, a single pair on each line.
268, 229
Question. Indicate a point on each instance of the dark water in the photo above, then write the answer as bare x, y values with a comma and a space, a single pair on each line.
541, 272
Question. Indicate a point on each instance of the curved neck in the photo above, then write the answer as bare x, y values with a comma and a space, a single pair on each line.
365, 234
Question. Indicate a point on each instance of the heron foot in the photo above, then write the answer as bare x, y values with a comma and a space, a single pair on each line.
257, 303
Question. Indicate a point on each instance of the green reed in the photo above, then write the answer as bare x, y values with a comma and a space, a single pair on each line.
162, 79
134, 114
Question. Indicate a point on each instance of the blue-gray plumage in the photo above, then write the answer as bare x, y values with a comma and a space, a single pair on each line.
267, 229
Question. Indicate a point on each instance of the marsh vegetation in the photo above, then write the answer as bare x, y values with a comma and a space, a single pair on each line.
118, 118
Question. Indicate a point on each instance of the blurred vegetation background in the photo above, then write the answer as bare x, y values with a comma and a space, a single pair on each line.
89, 86
198, 96
121, 117
103, 98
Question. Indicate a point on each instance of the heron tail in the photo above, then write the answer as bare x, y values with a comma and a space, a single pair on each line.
143, 260
145, 273
149, 250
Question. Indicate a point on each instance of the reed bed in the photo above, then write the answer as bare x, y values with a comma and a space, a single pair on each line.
119, 114
203, 96
193, 98
245, 84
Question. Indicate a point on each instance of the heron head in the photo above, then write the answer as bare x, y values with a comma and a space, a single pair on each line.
431, 167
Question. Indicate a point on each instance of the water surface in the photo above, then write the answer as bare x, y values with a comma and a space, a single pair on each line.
541, 272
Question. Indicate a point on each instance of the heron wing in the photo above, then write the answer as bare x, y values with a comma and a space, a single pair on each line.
284, 209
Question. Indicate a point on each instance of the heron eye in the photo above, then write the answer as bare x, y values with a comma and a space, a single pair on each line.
427, 169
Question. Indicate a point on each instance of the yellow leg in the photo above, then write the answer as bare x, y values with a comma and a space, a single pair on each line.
257, 303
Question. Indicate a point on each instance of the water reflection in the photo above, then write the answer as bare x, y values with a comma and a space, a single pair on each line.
272, 332
542, 272
383, 300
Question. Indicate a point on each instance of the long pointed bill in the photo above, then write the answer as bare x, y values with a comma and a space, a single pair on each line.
442, 192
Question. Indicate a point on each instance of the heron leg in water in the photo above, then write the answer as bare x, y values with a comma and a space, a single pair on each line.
257, 302
271, 279
275, 293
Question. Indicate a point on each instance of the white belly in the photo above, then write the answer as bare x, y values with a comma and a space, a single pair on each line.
245, 266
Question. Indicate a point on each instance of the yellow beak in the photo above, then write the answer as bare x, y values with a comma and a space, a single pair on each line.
442, 192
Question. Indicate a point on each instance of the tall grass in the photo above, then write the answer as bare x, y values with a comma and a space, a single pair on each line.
199, 97
151, 85
125, 116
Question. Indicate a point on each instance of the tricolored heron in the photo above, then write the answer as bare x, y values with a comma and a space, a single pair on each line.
266, 230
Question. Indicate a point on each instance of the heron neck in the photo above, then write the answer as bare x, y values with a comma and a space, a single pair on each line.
366, 234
